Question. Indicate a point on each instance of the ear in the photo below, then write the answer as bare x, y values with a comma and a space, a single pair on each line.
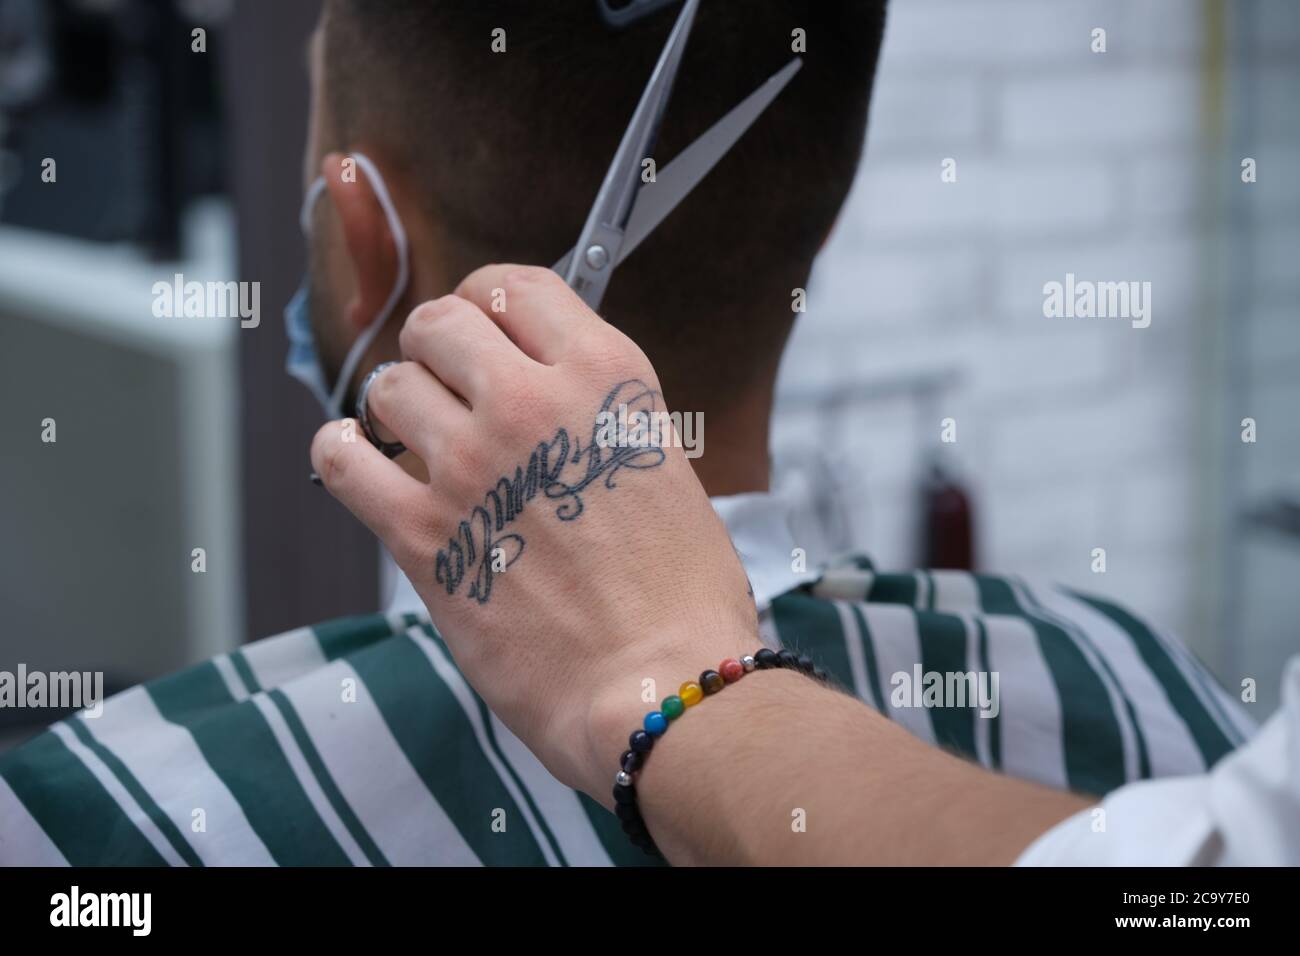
370, 244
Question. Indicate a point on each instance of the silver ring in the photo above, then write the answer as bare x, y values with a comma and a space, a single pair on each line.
389, 449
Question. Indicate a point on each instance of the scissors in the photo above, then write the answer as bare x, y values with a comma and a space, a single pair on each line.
627, 210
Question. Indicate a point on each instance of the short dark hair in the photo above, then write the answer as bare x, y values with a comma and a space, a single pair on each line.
513, 147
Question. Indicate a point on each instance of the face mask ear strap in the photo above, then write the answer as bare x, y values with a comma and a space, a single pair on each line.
367, 337
309, 205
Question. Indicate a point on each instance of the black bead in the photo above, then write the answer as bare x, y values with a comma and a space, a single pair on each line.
765, 659
806, 664
641, 839
786, 658
640, 741
627, 811
634, 825
624, 794
631, 761
820, 675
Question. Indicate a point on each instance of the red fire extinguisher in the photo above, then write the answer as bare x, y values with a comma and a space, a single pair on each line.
947, 525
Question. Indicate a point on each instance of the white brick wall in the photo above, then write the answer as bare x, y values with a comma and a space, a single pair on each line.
1072, 433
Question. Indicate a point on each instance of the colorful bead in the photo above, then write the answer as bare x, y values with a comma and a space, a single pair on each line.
656, 723
731, 670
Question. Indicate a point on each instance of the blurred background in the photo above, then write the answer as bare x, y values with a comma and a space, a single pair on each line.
1076, 434
1071, 434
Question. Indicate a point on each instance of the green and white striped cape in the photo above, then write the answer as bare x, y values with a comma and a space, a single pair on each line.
256, 758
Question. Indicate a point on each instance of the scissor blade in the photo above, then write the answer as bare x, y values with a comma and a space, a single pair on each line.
588, 274
656, 200
676, 180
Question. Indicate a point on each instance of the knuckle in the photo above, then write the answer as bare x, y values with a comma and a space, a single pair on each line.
424, 318
529, 280
384, 388
407, 337
530, 275
614, 354
318, 444
328, 454
483, 275
422, 314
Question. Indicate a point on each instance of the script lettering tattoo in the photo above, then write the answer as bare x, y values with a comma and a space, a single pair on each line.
560, 469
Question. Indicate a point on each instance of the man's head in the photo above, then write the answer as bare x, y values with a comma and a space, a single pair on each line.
496, 157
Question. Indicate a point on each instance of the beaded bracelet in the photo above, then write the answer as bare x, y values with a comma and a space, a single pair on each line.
656, 724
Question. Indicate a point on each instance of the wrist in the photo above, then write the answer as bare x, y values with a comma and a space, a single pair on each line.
638, 685
708, 791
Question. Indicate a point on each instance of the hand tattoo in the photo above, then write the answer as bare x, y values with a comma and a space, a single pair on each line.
562, 470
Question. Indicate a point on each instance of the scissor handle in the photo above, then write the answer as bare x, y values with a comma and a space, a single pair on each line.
621, 14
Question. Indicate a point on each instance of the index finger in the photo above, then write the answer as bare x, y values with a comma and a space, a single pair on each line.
375, 489
532, 305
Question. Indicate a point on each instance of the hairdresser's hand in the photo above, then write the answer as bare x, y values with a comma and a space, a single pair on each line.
564, 571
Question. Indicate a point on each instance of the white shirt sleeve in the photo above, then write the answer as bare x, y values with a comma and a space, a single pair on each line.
1244, 812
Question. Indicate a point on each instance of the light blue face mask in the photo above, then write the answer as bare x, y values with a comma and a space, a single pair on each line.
303, 361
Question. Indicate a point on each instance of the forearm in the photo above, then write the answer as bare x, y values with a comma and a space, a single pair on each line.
777, 769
